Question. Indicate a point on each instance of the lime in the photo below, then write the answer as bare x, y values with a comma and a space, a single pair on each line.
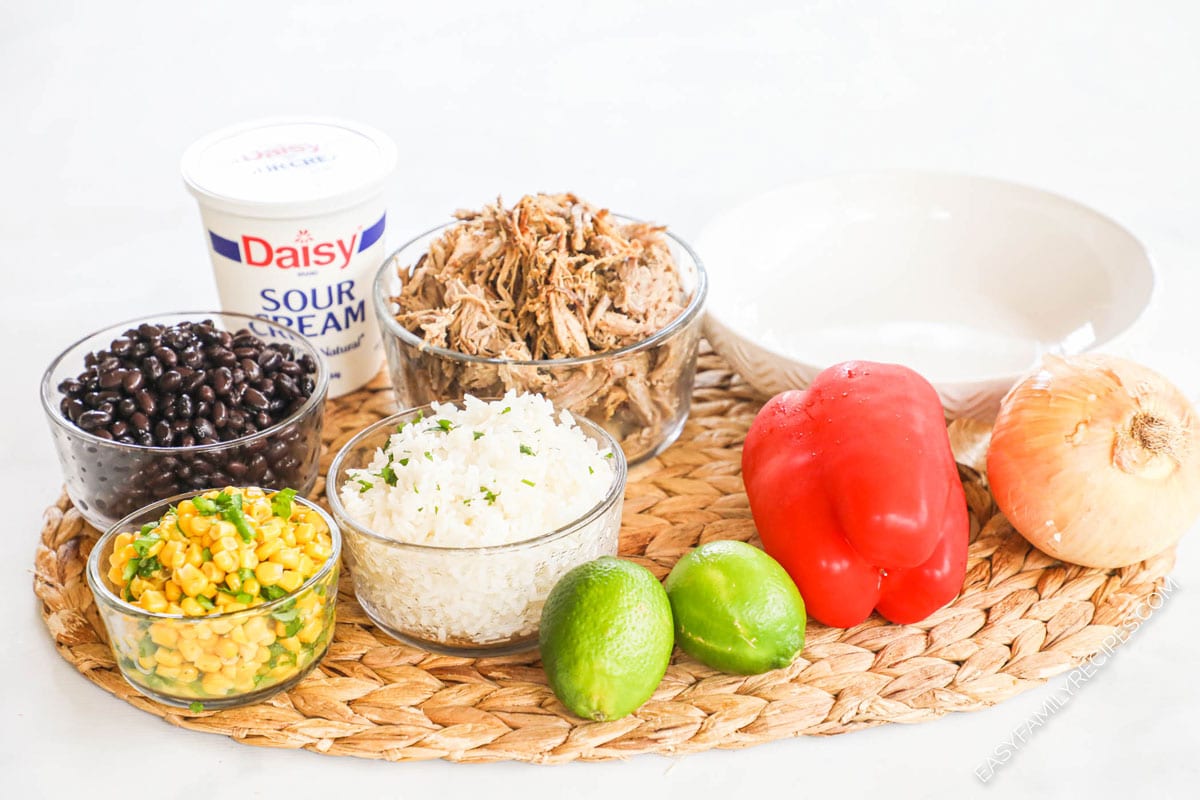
606, 638
735, 608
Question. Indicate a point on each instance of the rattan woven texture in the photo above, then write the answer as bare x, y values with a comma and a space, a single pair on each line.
1021, 618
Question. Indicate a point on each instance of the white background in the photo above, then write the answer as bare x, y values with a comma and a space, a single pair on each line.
667, 113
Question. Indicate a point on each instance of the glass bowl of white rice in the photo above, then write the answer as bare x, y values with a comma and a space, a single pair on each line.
459, 517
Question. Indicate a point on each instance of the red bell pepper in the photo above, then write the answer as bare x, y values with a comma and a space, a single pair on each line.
855, 492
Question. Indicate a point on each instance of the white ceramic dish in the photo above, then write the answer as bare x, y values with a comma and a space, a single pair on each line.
967, 280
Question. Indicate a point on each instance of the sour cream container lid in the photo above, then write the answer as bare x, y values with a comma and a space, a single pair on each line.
285, 167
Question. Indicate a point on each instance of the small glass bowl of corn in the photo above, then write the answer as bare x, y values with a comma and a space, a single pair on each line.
218, 598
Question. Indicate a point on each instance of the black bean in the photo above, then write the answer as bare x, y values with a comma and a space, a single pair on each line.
220, 414
266, 385
203, 428
91, 420
238, 374
139, 421
237, 470
185, 407
152, 367
121, 347
167, 356
203, 409
170, 381
205, 394
285, 386
148, 331
187, 440
269, 360
112, 378
220, 380
181, 426
255, 399
291, 368
103, 434
133, 380
251, 368
194, 381
192, 357
146, 402
162, 432
262, 419
126, 407
118, 428
75, 408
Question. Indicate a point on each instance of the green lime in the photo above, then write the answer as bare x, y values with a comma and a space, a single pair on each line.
735, 608
606, 638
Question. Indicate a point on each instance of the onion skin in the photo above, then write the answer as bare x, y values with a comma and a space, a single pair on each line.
1096, 461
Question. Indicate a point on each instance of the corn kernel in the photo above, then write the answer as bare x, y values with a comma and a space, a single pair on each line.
304, 532
195, 555
268, 574
212, 572
268, 549
251, 586
164, 671
291, 644
190, 649
226, 649
310, 632
122, 540
204, 632
288, 537
172, 591
208, 662
248, 560
164, 635
262, 655
288, 557
233, 582
306, 566
226, 560
290, 580
173, 555
223, 601
235, 606
238, 634
209, 591
188, 673
170, 658
200, 525
229, 671
247, 651
190, 579
216, 684
317, 551
225, 544
191, 607
221, 626
255, 627
147, 662
116, 575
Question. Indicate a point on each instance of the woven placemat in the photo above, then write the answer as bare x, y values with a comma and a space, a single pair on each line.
1021, 618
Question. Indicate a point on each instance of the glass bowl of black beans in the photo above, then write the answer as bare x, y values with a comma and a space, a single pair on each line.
173, 403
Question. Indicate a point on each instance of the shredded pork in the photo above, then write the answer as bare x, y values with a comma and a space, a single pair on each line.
555, 278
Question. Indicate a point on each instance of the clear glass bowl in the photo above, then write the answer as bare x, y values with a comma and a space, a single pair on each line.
640, 394
157, 653
467, 601
107, 480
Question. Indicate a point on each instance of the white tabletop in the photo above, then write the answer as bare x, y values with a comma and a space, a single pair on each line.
670, 114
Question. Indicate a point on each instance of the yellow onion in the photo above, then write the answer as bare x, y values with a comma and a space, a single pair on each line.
1096, 460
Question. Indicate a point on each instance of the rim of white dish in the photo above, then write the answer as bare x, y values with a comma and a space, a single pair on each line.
1146, 260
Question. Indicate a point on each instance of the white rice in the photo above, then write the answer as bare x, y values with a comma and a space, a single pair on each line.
482, 475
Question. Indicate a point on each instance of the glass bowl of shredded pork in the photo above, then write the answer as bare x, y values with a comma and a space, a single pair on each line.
598, 312
458, 519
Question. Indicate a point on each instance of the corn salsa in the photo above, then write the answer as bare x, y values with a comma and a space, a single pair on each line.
224, 554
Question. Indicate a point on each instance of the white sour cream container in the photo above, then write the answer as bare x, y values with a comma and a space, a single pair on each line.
294, 217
